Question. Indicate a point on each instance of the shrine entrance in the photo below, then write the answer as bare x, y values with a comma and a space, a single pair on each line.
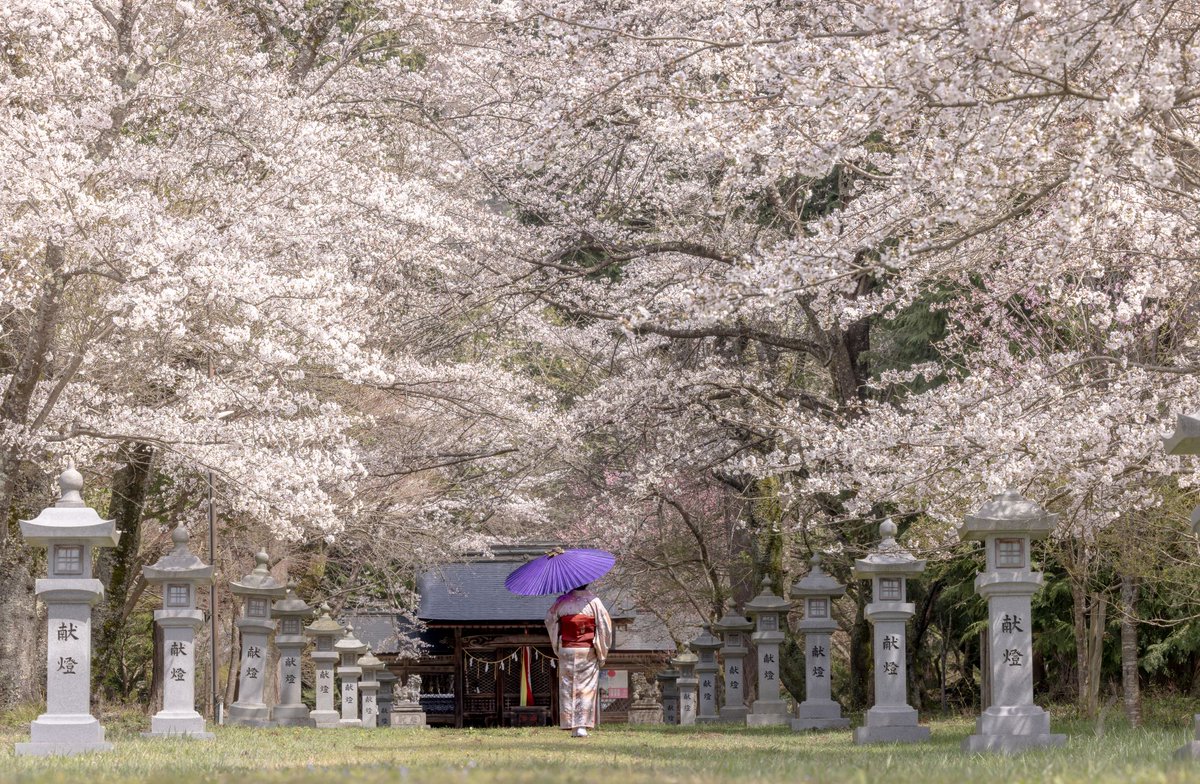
493, 685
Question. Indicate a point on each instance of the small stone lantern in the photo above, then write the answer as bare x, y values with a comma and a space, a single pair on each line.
369, 687
669, 680
705, 647
687, 684
179, 574
387, 683
768, 611
734, 630
891, 719
1186, 441
291, 612
1006, 525
325, 631
69, 531
349, 648
256, 590
814, 593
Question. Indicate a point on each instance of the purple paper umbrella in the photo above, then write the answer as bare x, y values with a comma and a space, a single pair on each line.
558, 571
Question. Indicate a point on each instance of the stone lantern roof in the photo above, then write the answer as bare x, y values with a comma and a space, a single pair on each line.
349, 643
1008, 513
259, 582
706, 641
70, 519
889, 558
179, 565
324, 625
767, 601
370, 661
291, 605
733, 622
1186, 438
817, 582
685, 660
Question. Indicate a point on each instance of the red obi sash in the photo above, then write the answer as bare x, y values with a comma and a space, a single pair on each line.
577, 631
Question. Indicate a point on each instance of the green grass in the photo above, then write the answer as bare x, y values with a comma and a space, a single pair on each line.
613, 754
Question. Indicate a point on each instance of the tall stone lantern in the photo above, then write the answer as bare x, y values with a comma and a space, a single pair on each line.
291, 612
669, 680
349, 648
386, 696
256, 590
768, 611
1006, 525
705, 647
325, 631
687, 684
891, 719
179, 574
734, 630
1186, 441
69, 531
369, 688
815, 593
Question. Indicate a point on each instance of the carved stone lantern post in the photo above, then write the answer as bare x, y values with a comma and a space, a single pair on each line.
705, 646
891, 719
687, 684
369, 687
814, 593
1006, 525
734, 630
349, 648
325, 631
768, 611
291, 612
669, 680
256, 590
387, 684
69, 531
1186, 441
180, 574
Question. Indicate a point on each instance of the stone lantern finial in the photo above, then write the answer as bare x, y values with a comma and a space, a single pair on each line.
180, 537
262, 561
887, 532
70, 487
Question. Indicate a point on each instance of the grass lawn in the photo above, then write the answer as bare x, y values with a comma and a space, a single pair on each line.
616, 754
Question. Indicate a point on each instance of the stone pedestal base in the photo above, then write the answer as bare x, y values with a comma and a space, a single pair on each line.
819, 715
768, 713
178, 725
291, 716
63, 734
1010, 729
647, 714
891, 725
1192, 750
734, 715
408, 716
325, 719
249, 715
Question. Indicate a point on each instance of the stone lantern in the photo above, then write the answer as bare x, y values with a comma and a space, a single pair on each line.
349, 648
1006, 525
686, 684
69, 531
180, 574
705, 647
768, 611
256, 590
369, 687
1186, 441
669, 680
891, 719
734, 630
387, 684
291, 612
325, 631
814, 593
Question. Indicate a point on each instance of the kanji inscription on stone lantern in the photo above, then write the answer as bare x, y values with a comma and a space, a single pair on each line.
1186, 441
369, 688
769, 612
891, 719
349, 648
705, 647
179, 574
256, 590
687, 685
69, 531
735, 632
814, 593
1006, 525
290, 612
325, 632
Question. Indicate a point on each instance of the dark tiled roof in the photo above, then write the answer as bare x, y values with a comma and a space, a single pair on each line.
644, 633
383, 632
475, 591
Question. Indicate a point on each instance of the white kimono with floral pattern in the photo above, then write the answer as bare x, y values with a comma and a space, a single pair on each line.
579, 668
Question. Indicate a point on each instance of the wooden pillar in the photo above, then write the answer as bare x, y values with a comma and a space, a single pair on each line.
460, 679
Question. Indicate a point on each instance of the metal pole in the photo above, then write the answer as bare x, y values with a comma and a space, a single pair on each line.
212, 598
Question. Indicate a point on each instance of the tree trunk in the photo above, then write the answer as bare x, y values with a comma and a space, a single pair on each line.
859, 691
1131, 689
1079, 621
1097, 618
21, 645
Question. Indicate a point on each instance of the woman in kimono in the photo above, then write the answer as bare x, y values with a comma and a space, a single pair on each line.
581, 632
